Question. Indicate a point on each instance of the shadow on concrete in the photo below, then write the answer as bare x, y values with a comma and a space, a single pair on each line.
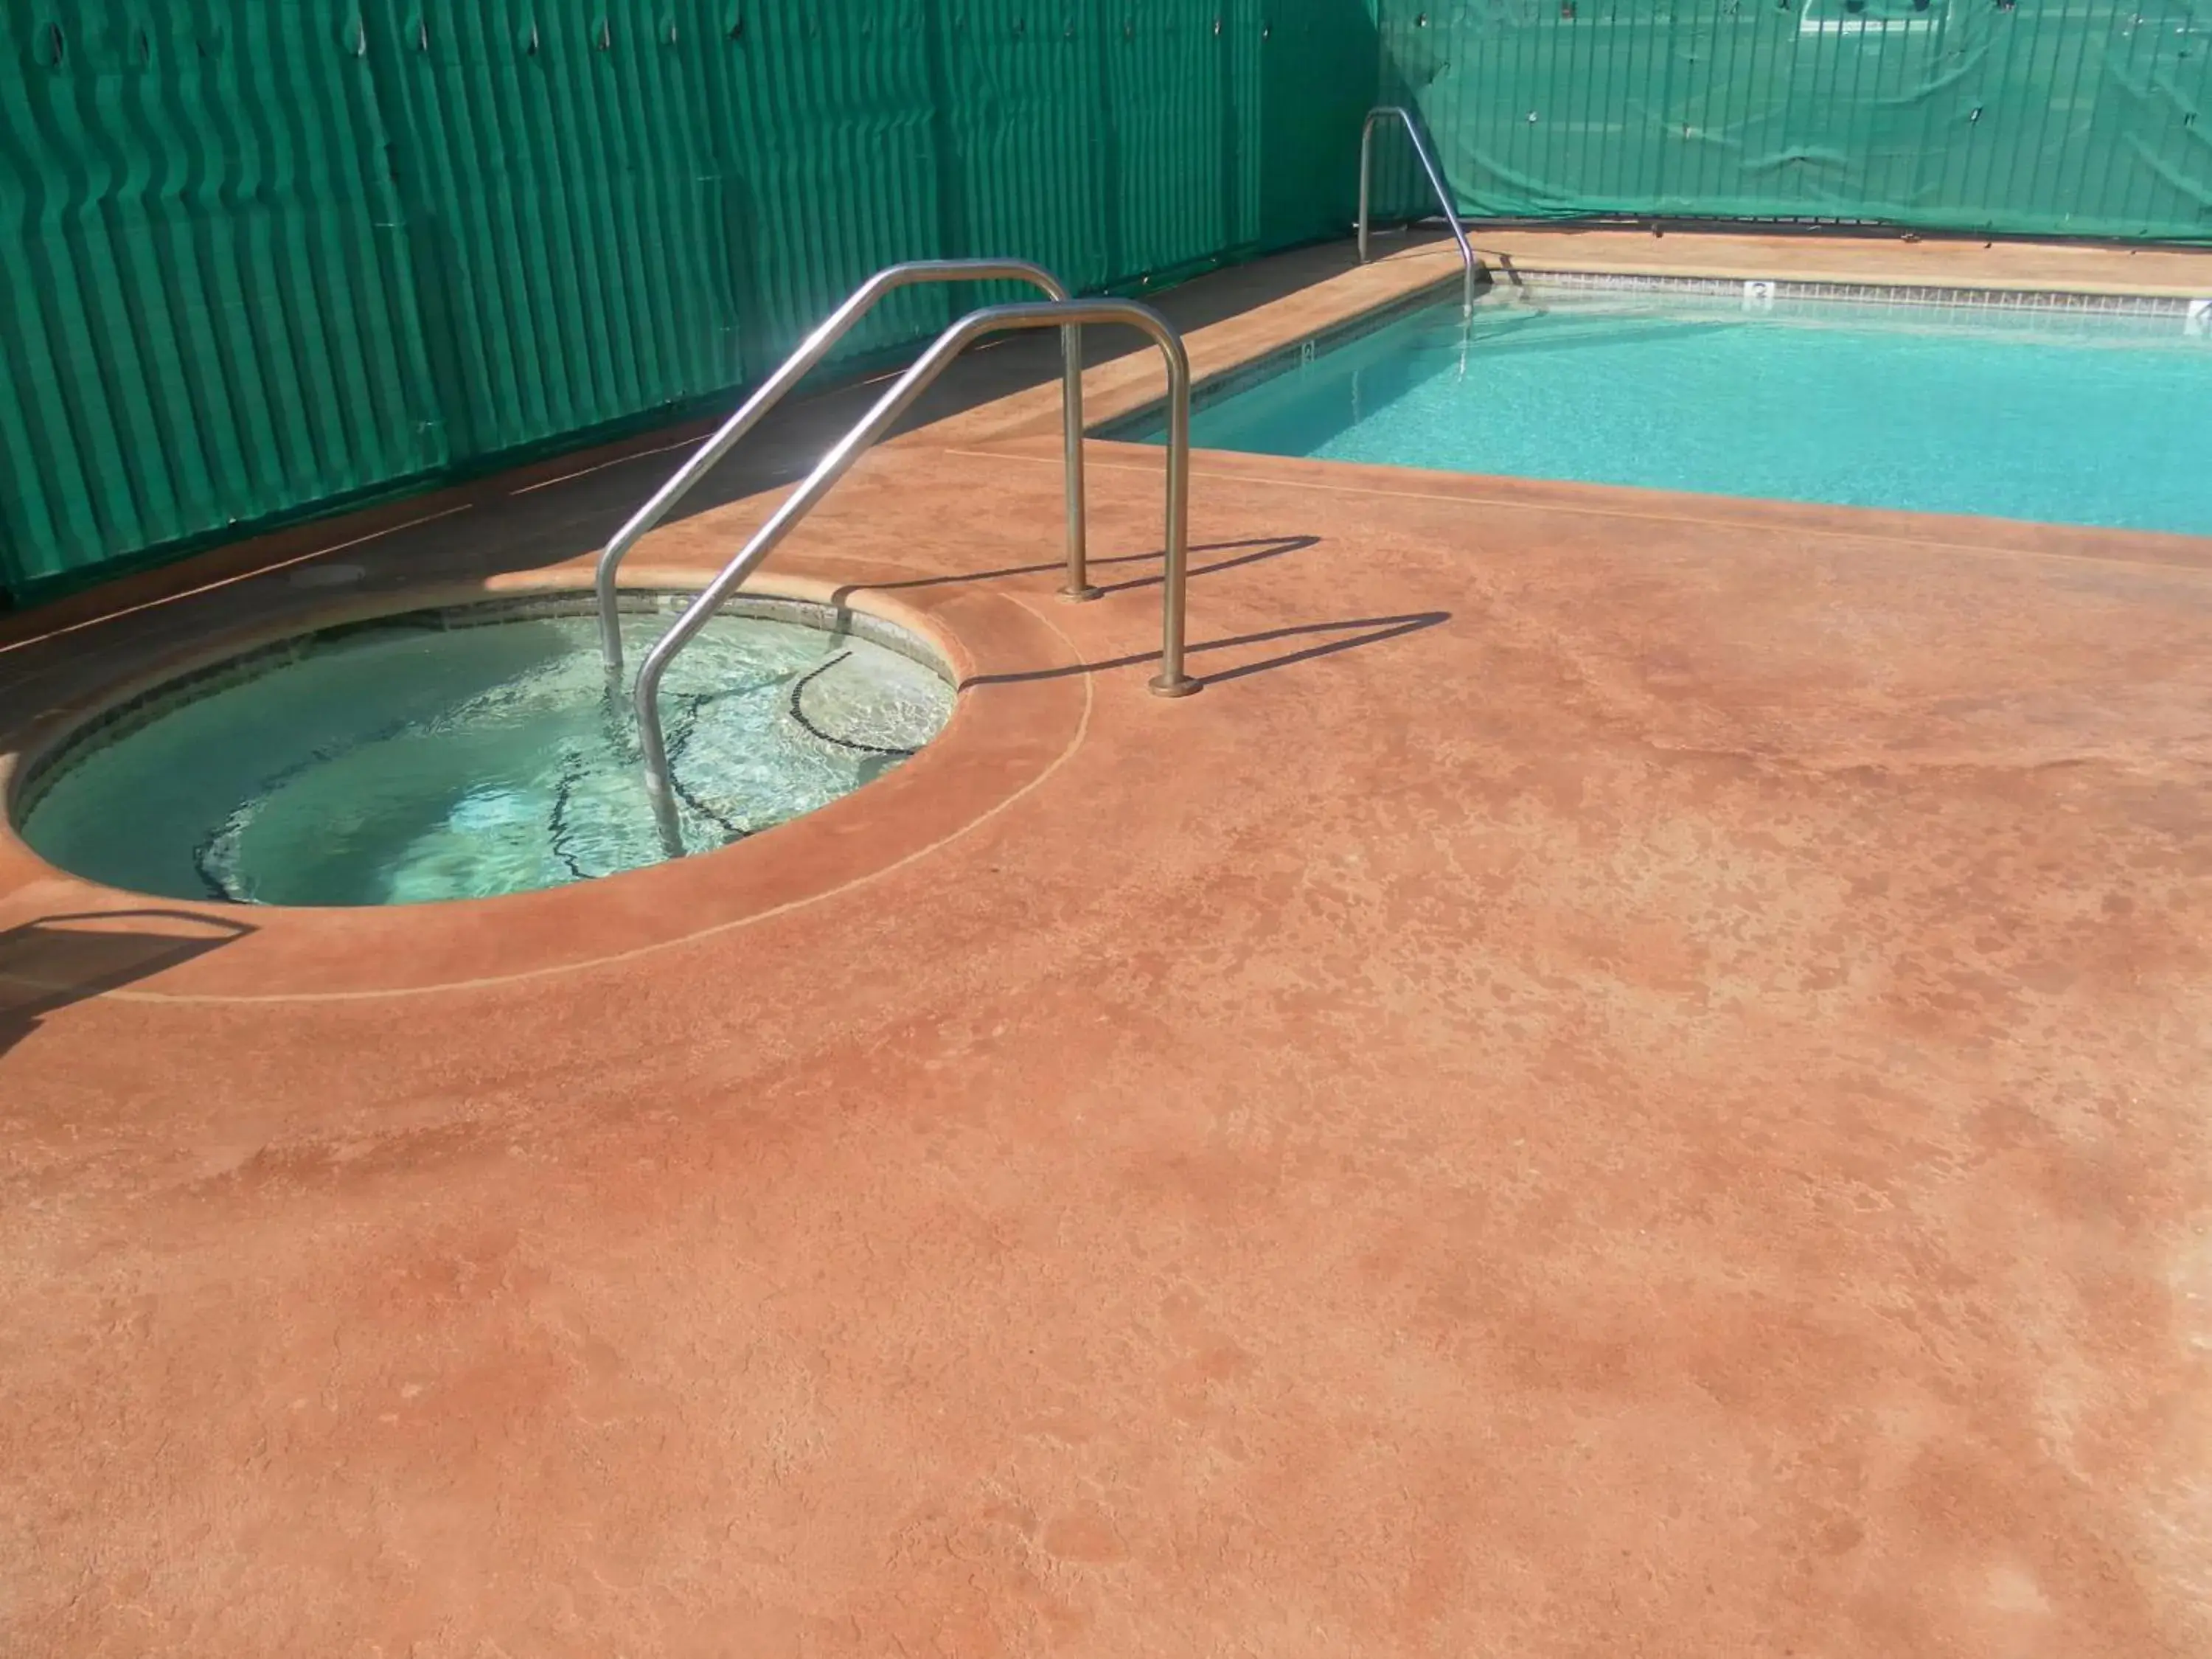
60, 959
1261, 547
1375, 631
1372, 631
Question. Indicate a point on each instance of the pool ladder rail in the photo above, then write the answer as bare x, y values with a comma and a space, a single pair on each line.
803, 361
1069, 316
1470, 266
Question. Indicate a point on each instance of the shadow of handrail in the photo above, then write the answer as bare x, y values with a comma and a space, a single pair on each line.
1264, 547
74, 956
1380, 629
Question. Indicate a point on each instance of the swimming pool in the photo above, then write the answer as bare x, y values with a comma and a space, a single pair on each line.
2066, 417
473, 751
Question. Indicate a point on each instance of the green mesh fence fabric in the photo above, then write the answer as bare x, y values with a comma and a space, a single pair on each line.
2087, 119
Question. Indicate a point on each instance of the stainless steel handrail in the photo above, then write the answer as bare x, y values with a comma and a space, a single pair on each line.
802, 361
1169, 682
1384, 112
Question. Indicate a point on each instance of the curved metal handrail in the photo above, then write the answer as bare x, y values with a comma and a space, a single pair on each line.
801, 362
1384, 112
1169, 682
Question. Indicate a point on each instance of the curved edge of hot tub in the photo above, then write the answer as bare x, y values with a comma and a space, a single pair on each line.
1014, 720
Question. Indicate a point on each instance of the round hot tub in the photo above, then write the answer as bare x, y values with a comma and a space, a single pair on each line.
474, 749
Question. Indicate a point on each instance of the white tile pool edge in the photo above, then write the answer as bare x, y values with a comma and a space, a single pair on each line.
1753, 289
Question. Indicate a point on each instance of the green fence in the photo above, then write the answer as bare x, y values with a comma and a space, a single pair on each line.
262, 257
2088, 118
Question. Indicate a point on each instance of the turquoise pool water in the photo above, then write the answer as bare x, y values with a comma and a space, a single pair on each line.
441, 755
2054, 418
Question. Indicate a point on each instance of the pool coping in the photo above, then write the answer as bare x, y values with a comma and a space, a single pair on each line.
1018, 717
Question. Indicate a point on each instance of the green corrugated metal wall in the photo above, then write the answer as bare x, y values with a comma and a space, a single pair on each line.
562, 199
262, 255
2077, 117
207, 308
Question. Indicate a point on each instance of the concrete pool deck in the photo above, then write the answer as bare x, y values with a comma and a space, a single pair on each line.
1628, 1077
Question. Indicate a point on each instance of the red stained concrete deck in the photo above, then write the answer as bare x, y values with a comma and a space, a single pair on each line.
1629, 1079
